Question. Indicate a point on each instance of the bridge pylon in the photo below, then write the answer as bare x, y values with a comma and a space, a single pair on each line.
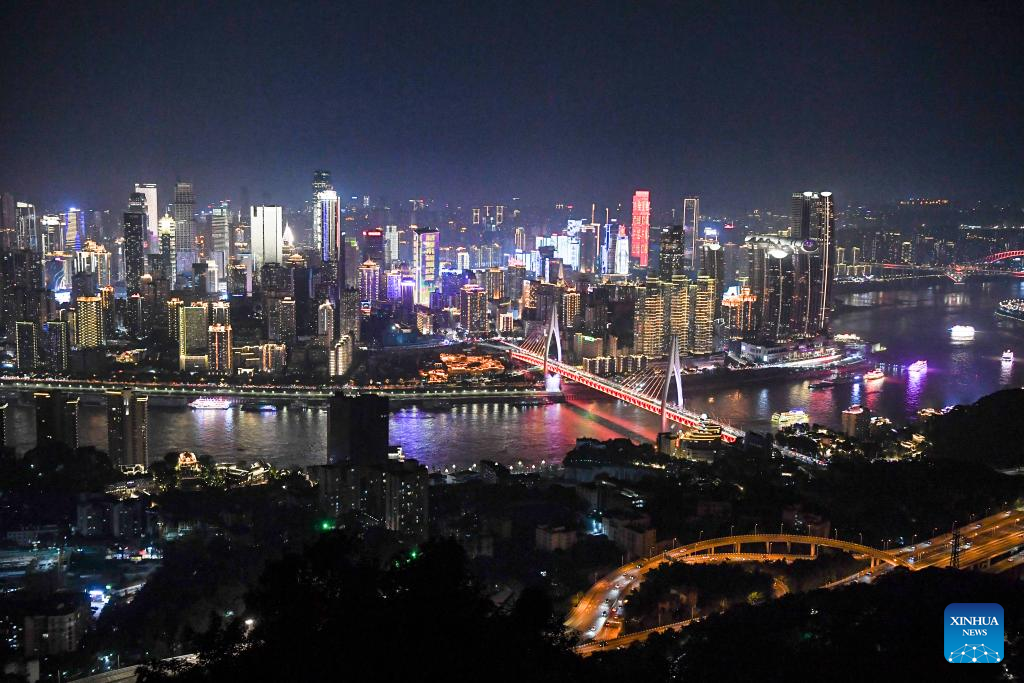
552, 331
674, 372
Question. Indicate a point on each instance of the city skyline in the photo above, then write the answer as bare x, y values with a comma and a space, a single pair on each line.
887, 103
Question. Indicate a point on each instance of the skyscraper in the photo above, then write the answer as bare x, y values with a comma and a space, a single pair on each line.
691, 223
220, 233
27, 346
357, 430
57, 345
672, 255
473, 309
184, 227
267, 230
649, 320
424, 248
90, 323
341, 356
812, 221
128, 428
327, 225
390, 245
135, 232
712, 265
192, 337
152, 209
702, 338
74, 231
218, 353
325, 323
348, 313
641, 227
167, 248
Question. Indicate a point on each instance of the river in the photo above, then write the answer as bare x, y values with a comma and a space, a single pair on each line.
912, 324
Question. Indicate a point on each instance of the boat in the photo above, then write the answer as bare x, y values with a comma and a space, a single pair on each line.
790, 417
210, 403
961, 332
1007, 356
918, 366
874, 374
259, 408
823, 384
1011, 308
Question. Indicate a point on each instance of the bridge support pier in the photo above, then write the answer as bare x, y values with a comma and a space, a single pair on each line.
814, 550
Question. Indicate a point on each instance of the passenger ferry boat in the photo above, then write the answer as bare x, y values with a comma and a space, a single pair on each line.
210, 403
789, 418
1011, 308
918, 366
1007, 356
874, 374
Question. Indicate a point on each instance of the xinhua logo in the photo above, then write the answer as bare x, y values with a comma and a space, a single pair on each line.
973, 633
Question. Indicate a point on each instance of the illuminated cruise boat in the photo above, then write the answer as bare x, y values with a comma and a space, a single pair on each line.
874, 374
1011, 308
789, 418
210, 403
1007, 356
961, 332
918, 366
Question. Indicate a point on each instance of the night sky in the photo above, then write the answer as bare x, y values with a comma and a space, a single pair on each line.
473, 102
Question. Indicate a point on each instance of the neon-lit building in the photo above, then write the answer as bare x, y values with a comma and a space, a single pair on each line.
641, 227
327, 225
425, 243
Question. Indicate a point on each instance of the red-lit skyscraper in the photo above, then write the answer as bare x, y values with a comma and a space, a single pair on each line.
641, 230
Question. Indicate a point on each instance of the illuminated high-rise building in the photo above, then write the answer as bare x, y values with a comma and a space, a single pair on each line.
74, 231
321, 182
622, 252
57, 338
649, 321
184, 210
341, 356
424, 247
220, 233
812, 221
640, 230
28, 227
702, 339
369, 283
220, 313
167, 247
473, 309
192, 336
691, 223
151, 206
390, 245
135, 234
267, 228
90, 323
672, 265
712, 265
519, 239
349, 319
218, 349
678, 303
325, 322
327, 225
